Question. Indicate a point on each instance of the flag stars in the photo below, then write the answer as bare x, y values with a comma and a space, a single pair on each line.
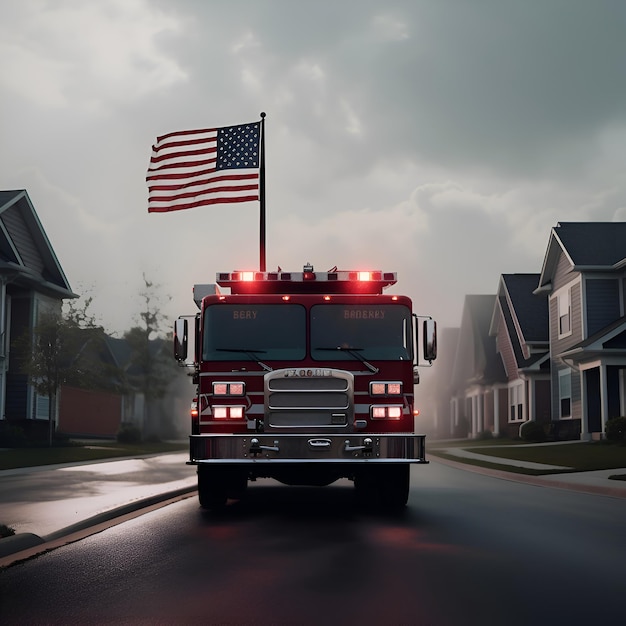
238, 146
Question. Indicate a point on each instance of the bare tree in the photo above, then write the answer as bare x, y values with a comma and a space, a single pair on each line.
152, 367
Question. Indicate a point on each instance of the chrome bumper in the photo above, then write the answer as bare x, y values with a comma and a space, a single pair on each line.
311, 448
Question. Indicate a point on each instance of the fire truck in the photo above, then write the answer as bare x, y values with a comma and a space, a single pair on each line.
306, 378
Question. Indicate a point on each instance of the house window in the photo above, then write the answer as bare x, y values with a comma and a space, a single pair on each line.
516, 403
565, 313
565, 393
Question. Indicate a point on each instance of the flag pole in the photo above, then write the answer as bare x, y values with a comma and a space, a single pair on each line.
262, 195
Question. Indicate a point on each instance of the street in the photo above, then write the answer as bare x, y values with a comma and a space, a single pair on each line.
470, 549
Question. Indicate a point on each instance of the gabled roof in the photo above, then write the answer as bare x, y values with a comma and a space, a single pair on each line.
530, 310
589, 246
526, 318
607, 342
477, 361
26, 255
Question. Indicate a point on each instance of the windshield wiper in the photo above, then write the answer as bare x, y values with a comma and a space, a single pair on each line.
251, 353
355, 353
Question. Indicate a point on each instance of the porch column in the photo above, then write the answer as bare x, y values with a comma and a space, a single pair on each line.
474, 416
584, 417
604, 397
453, 417
496, 411
531, 413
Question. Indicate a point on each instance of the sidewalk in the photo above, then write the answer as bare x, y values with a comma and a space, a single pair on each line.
46, 501
596, 482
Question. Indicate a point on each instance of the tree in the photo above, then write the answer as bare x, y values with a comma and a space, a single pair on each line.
66, 349
49, 355
151, 368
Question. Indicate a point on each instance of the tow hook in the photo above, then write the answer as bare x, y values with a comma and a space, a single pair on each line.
257, 448
366, 448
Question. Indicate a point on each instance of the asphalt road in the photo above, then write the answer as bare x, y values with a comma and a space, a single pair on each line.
470, 549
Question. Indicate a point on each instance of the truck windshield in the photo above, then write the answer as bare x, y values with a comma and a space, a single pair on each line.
374, 331
233, 332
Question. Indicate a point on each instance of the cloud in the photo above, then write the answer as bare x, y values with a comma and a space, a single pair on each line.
87, 53
438, 140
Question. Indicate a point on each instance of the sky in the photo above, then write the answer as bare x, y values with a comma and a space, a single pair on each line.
440, 139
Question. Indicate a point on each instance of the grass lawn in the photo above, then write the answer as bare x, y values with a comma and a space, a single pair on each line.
11, 458
580, 456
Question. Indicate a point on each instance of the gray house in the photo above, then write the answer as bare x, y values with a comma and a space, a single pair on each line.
584, 277
31, 279
520, 326
478, 381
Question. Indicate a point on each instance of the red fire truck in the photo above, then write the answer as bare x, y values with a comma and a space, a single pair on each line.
305, 377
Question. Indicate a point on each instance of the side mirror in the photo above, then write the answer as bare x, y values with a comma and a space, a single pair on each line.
180, 340
430, 340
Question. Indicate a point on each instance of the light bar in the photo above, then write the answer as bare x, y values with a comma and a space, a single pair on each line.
307, 281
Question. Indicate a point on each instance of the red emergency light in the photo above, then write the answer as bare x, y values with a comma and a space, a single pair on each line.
308, 281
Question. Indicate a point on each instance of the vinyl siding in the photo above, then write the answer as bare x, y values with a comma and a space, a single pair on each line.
602, 303
563, 273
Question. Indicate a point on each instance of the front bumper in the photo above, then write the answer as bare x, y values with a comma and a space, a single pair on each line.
306, 448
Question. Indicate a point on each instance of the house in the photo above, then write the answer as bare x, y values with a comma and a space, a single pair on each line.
478, 380
584, 278
91, 400
31, 280
520, 326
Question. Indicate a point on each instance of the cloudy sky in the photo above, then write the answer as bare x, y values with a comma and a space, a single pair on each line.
441, 139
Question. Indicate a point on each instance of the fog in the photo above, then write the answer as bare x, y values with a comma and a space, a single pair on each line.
439, 140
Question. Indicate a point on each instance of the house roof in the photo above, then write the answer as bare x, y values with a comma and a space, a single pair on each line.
26, 255
530, 310
608, 341
477, 361
526, 318
589, 246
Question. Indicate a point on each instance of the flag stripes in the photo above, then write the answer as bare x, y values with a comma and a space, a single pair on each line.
180, 178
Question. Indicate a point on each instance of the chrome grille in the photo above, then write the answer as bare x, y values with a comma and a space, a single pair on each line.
301, 401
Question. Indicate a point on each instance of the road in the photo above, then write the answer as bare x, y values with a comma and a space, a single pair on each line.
470, 549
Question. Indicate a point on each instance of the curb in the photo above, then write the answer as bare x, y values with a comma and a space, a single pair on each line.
24, 545
538, 481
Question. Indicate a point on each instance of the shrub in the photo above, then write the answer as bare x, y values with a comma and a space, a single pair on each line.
616, 429
485, 434
532, 431
129, 434
6, 531
11, 436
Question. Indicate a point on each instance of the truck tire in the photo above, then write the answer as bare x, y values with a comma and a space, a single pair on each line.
217, 484
212, 488
394, 486
383, 487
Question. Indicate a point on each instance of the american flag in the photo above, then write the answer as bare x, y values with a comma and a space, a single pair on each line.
193, 168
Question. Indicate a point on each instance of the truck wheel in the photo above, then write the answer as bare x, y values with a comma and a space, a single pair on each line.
394, 486
212, 488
